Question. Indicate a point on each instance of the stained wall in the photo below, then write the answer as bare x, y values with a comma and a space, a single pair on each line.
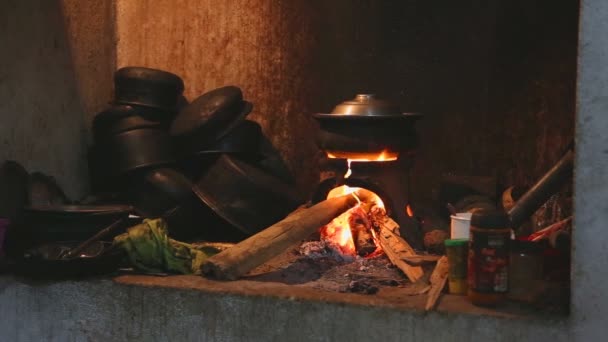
498, 96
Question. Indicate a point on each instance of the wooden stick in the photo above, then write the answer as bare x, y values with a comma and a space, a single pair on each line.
420, 259
438, 280
263, 246
397, 249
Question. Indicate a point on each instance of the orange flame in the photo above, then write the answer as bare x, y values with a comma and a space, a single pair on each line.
409, 211
338, 232
384, 155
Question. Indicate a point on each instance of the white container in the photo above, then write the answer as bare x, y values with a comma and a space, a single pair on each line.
460, 225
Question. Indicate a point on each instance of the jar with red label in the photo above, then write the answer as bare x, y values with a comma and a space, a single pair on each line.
488, 266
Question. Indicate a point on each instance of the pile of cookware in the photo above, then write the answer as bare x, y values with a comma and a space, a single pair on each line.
202, 166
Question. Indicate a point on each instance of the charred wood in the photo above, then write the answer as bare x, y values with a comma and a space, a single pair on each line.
235, 262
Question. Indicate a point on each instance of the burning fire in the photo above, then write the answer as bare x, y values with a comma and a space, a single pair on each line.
409, 211
385, 155
338, 232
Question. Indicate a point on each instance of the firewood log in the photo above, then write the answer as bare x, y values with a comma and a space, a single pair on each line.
360, 228
397, 249
421, 259
270, 242
438, 279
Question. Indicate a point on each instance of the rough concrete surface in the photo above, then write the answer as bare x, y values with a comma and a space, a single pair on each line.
100, 310
589, 277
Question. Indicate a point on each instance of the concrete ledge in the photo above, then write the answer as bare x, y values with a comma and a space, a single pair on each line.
137, 308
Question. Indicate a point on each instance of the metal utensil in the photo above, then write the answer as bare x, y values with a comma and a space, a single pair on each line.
100, 234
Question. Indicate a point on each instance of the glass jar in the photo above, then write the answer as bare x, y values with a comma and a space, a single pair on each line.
457, 251
525, 271
488, 273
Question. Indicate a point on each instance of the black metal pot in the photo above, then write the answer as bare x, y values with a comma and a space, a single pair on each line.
245, 196
122, 118
147, 87
169, 194
367, 125
134, 150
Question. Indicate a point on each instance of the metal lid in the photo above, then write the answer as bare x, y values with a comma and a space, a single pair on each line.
366, 106
140, 76
214, 110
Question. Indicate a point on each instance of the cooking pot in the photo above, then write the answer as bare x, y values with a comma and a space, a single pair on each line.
245, 196
147, 87
366, 124
169, 194
122, 118
160, 191
134, 150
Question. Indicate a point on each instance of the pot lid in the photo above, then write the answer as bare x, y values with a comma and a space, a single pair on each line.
366, 106
138, 76
212, 111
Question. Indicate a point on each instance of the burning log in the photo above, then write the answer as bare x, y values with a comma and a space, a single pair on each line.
438, 280
397, 249
360, 228
261, 247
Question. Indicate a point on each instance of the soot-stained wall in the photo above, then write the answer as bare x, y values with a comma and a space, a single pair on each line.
495, 78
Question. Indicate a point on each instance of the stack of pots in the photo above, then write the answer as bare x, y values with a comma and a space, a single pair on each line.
131, 135
202, 166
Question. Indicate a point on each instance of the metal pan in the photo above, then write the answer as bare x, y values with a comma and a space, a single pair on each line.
70, 222
169, 194
45, 262
245, 196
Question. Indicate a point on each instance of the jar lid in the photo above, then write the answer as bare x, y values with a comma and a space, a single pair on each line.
490, 219
523, 246
456, 242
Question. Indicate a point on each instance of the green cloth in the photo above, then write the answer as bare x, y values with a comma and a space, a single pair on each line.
150, 249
